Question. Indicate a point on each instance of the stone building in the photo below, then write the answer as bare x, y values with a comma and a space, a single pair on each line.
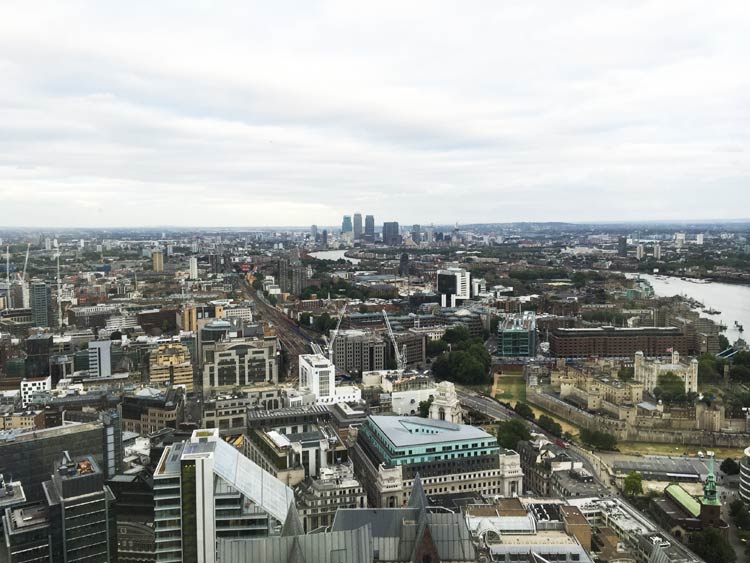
647, 371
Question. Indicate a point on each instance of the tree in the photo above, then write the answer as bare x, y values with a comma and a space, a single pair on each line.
436, 347
550, 425
710, 368
512, 431
598, 439
730, 467
723, 342
740, 515
524, 410
626, 373
711, 545
671, 388
424, 408
456, 334
633, 484
739, 373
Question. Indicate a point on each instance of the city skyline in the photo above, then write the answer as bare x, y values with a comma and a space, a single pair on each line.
257, 116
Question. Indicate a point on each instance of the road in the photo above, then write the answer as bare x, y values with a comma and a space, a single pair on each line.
485, 405
493, 409
291, 341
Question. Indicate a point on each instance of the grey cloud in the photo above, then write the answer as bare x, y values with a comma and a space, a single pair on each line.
293, 113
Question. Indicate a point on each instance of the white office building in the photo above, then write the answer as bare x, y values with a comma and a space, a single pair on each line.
317, 375
100, 358
32, 385
193, 268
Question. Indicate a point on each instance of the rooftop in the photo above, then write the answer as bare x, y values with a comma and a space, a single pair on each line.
412, 430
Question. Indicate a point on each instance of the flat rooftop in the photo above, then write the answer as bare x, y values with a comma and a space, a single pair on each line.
411, 430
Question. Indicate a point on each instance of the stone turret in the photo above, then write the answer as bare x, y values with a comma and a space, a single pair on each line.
445, 405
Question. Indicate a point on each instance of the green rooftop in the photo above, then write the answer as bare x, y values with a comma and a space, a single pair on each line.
684, 499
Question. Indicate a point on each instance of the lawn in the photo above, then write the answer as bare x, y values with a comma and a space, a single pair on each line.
513, 389
647, 448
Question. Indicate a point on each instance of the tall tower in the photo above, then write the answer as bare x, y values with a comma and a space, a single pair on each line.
346, 224
369, 228
157, 259
40, 303
357, 226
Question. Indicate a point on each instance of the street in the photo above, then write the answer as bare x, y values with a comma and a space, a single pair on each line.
493, 409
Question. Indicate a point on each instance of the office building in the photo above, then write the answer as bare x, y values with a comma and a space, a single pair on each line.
293, 452
74, 523
622, 247
623, 343
517, 336
453, 286
314, 233
391, 234
41, 304
292, 278
317, 377
206, 490
699, 239
319, 498
100, 358
238, 362
38, 353
148, 410
32, 453
157, 260
640, 251
357, 226
369, 234
193, 268
413, 349
134, 514
169, 364
31, 385
390, 451
416, 233
355, 351
657, 251
346, 224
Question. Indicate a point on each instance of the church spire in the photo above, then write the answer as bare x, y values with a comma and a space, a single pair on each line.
710, 494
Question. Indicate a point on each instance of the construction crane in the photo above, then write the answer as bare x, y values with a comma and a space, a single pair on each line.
400, 357
335, 333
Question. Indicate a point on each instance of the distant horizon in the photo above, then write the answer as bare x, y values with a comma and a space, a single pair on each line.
378, 225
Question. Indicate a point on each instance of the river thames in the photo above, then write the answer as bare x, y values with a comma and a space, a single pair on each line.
732, 300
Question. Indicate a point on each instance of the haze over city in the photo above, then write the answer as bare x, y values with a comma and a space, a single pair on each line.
249, 113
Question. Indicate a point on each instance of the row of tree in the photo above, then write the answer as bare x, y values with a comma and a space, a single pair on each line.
598, 439
546, 423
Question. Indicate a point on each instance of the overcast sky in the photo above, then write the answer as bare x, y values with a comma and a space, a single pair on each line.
219, 113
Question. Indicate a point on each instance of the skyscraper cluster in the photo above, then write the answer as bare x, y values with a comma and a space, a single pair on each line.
357, 229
